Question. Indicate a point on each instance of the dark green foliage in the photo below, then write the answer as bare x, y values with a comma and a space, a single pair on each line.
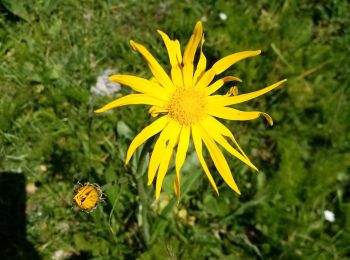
51, 53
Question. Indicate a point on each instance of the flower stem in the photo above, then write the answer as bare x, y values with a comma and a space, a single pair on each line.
143, 209
141, 167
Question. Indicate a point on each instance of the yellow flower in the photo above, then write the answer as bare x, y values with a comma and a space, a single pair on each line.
87, 196
187, 108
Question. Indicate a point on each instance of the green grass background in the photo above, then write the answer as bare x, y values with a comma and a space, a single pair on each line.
51, 53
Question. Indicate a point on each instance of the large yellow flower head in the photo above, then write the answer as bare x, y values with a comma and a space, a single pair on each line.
186, 107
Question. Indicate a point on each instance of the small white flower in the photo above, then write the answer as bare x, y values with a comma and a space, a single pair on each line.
329, 216
223, 16
104, 87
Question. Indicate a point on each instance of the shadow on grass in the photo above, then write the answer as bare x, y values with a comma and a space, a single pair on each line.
13, 241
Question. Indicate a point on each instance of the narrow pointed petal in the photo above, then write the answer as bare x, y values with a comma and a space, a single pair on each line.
132, 99
201, 66
234, 114
142, 85
219, 160
206, 78
223, 130
226, 62
222, 65
182, 147
159, 150
178, 51
164, 164
155, 111
154, 80
156, 157
176, 75
189, 53
197, 141
156, 69
233, 91
174, 52
187, 72
169, 44
217, 137
193, 43
163, 167
219, 83
145, 134
228, 101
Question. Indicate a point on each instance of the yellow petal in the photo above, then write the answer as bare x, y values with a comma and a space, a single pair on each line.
189, 53
223, 130
155, 111
178, 51
201, 66
226, 62
171, 48
234, 114
187, 72
145, 134
227, 101
176, 75
206, 78
166, 158
142, 85
214, 133
233, 91
222, 65
158, 151
219, 160
163, 167
157, 70
181, 154
174, 52
197, 141
219, 83
132, 99
193, 43
154, 80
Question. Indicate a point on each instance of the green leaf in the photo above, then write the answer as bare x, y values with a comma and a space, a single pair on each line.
17, 8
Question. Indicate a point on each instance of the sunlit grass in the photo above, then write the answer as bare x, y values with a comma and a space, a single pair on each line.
51, 57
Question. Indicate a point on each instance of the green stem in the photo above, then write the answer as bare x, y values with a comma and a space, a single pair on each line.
141, 170
144, 209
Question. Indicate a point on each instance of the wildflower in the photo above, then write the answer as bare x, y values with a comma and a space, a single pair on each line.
187, 108
87, 196
329, 215
223, 16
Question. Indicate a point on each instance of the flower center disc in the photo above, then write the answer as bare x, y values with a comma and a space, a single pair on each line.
187, 105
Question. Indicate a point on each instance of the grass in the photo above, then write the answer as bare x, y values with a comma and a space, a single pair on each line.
51, 53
